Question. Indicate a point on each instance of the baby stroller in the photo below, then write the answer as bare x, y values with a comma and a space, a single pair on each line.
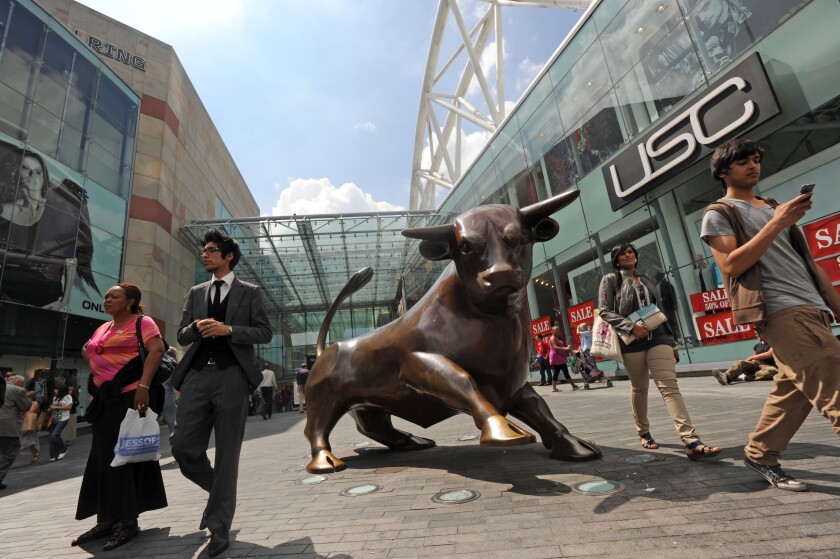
578, 365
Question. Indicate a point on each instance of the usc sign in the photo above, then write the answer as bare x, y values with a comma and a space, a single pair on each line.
739, 101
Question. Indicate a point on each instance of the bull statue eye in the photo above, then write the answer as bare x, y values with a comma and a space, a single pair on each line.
465, 248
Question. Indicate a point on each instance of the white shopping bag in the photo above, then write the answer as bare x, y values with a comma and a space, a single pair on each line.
139, 439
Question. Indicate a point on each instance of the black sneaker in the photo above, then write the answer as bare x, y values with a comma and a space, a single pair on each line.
776, 476
721, 376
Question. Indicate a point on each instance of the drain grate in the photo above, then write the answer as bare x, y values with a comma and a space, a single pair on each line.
641, 458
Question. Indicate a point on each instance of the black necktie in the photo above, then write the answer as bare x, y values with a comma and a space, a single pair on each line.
217, 298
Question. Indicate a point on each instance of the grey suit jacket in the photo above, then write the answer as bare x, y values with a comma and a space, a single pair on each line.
245, 314
16, 403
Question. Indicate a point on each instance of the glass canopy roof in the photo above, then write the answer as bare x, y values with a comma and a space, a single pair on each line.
302, 262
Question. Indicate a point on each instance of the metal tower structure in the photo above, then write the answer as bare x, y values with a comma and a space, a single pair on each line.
444, 138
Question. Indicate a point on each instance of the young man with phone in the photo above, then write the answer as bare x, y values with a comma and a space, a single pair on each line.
774, 284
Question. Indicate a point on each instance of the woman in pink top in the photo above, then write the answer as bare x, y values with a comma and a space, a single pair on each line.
119, 380
557, 354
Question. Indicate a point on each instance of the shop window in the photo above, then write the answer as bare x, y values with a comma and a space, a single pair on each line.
583, 86
637, 31
723, 29
598, 135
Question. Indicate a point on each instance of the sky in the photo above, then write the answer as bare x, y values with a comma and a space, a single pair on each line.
317, 100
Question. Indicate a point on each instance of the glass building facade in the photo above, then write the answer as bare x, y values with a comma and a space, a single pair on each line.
68, 129
629, 72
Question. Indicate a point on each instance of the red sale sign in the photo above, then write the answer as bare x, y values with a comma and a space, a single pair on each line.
824, 236
541, 326
720, 327
710, 301
580, 314
831, 267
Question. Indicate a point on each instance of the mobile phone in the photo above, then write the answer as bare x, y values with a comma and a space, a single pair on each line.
807, 188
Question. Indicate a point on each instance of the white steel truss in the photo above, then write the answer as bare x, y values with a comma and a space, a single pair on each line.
443, 170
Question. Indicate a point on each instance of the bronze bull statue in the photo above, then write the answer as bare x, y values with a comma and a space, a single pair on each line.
463, 348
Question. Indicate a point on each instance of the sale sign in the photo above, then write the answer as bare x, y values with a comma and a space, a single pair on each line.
710, 301
580, 314
720, 327
823, 236
831, 267
541, 326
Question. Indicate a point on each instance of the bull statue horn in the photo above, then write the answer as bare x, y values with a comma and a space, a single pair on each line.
433, 233
541, 210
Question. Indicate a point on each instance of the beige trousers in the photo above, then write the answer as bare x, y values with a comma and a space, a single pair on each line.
808, 357
657, 363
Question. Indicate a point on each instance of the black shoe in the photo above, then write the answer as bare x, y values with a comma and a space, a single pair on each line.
218, 543
3, 485
776, 476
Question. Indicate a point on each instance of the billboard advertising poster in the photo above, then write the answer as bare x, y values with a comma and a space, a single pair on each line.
57, 247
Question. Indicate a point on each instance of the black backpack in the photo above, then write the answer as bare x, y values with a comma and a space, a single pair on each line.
303, 378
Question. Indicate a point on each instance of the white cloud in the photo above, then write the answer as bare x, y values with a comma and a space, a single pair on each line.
320, 196
366, 126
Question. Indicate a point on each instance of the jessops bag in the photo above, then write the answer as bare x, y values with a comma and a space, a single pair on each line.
139, 439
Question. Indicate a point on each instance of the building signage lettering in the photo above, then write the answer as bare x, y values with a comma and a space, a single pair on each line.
739, 101
541, 326
100, 46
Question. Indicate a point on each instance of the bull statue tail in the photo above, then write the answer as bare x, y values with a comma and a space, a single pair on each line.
355, 283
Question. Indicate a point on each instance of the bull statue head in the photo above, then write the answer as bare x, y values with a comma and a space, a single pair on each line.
491, 245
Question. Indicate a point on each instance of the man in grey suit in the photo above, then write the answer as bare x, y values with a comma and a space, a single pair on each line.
222, 320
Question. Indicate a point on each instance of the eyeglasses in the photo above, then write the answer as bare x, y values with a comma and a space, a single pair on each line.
209, 250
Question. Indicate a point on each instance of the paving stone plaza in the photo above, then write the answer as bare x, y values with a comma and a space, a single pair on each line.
528, 506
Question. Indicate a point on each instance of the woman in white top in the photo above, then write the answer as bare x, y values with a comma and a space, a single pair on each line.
60, 408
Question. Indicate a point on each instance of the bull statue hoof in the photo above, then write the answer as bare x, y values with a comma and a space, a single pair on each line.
572, 449
499, 431
325, 462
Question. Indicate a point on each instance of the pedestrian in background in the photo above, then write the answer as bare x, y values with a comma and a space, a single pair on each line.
30, 440
15, 403
69, 433
267, 388
61, 405
558, 354
301, 378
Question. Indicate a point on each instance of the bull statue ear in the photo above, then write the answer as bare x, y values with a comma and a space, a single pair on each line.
535, 213
436, 241
545, 230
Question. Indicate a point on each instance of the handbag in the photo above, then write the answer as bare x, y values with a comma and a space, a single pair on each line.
30, 422
139, 439
604, 340
167, 362
45, 420
648, 316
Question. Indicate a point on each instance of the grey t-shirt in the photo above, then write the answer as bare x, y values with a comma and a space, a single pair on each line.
785, 280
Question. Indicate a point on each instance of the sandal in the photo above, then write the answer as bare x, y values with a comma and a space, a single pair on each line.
648, 442
98, 531
122, 535
35, 459
697, 450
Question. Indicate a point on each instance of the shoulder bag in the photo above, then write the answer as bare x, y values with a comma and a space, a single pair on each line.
604, 340
167, 363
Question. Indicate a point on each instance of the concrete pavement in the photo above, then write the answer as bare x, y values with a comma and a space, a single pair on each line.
527, 508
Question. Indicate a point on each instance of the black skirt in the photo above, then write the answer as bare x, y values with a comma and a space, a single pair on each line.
120, 493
